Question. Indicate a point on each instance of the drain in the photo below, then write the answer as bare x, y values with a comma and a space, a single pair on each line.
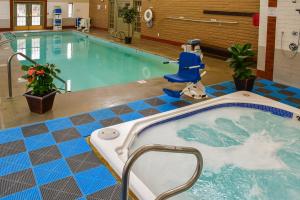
108, 134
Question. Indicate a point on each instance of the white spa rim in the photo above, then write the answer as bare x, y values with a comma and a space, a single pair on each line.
115, 151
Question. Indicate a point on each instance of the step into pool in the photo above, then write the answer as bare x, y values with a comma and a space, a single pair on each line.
88, 61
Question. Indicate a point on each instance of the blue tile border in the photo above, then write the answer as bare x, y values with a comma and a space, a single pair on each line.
270, 109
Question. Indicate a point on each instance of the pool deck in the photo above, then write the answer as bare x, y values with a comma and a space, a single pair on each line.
14, 112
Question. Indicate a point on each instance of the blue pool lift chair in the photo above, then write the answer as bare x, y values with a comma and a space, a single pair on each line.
190, 66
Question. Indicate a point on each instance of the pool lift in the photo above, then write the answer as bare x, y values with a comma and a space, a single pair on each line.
190, 66
83, 24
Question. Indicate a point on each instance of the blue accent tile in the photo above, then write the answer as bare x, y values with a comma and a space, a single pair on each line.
293, 89
278, 95
93, 180
51, 171
39, 141
74, 147
165, 108
210, 90
10, 135
81, 198
103, 114
131, 116
87, 129
138, 105
289, 103
264, 81
168, 99
29, 194
14, 163
227, 84
59, 124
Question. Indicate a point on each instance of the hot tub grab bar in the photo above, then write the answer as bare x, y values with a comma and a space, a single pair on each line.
33, 62
162, 148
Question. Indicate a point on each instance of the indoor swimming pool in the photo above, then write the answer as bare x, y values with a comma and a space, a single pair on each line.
89, 62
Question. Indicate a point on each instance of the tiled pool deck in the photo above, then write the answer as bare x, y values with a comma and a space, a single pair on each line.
52, 160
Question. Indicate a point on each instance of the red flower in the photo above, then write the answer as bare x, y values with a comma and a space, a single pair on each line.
40, 72
31, 71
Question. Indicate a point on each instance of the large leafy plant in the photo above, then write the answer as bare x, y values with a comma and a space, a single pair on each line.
40, 78
241, 58
129, 17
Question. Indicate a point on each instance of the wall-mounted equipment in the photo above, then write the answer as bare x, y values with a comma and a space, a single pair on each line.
255, 19
298, 10
57, 18
293, 46
148, 17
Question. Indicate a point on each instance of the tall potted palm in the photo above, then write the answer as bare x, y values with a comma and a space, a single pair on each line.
42, 90
129, 16
241, 59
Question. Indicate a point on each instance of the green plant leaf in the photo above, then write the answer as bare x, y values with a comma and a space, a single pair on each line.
241, 57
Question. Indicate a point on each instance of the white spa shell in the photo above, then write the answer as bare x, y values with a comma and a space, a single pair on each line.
115, 151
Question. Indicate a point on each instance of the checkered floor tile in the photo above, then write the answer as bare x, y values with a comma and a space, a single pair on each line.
278, 92
51, 160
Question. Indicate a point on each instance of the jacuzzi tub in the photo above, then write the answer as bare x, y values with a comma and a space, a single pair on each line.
250, 145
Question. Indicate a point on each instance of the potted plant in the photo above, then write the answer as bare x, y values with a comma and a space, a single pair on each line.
129, 16
42, 89
241, 60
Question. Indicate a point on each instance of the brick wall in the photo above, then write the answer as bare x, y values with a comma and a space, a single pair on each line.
211, 34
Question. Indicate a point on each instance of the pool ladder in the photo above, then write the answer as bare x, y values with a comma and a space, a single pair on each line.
33, 62
10, 37
162, 148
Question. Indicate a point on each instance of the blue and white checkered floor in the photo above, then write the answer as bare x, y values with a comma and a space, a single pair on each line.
52, 160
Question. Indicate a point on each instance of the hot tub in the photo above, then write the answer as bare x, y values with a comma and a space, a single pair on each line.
250, 146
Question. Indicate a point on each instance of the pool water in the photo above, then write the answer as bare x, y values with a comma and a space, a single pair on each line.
248, 154
90, 62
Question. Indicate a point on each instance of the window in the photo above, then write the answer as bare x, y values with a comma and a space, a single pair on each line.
36, 14
70, 9
138, 6
21, 14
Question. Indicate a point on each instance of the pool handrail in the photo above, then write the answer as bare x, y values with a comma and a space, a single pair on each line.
8, 40
33, 62
162, 148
